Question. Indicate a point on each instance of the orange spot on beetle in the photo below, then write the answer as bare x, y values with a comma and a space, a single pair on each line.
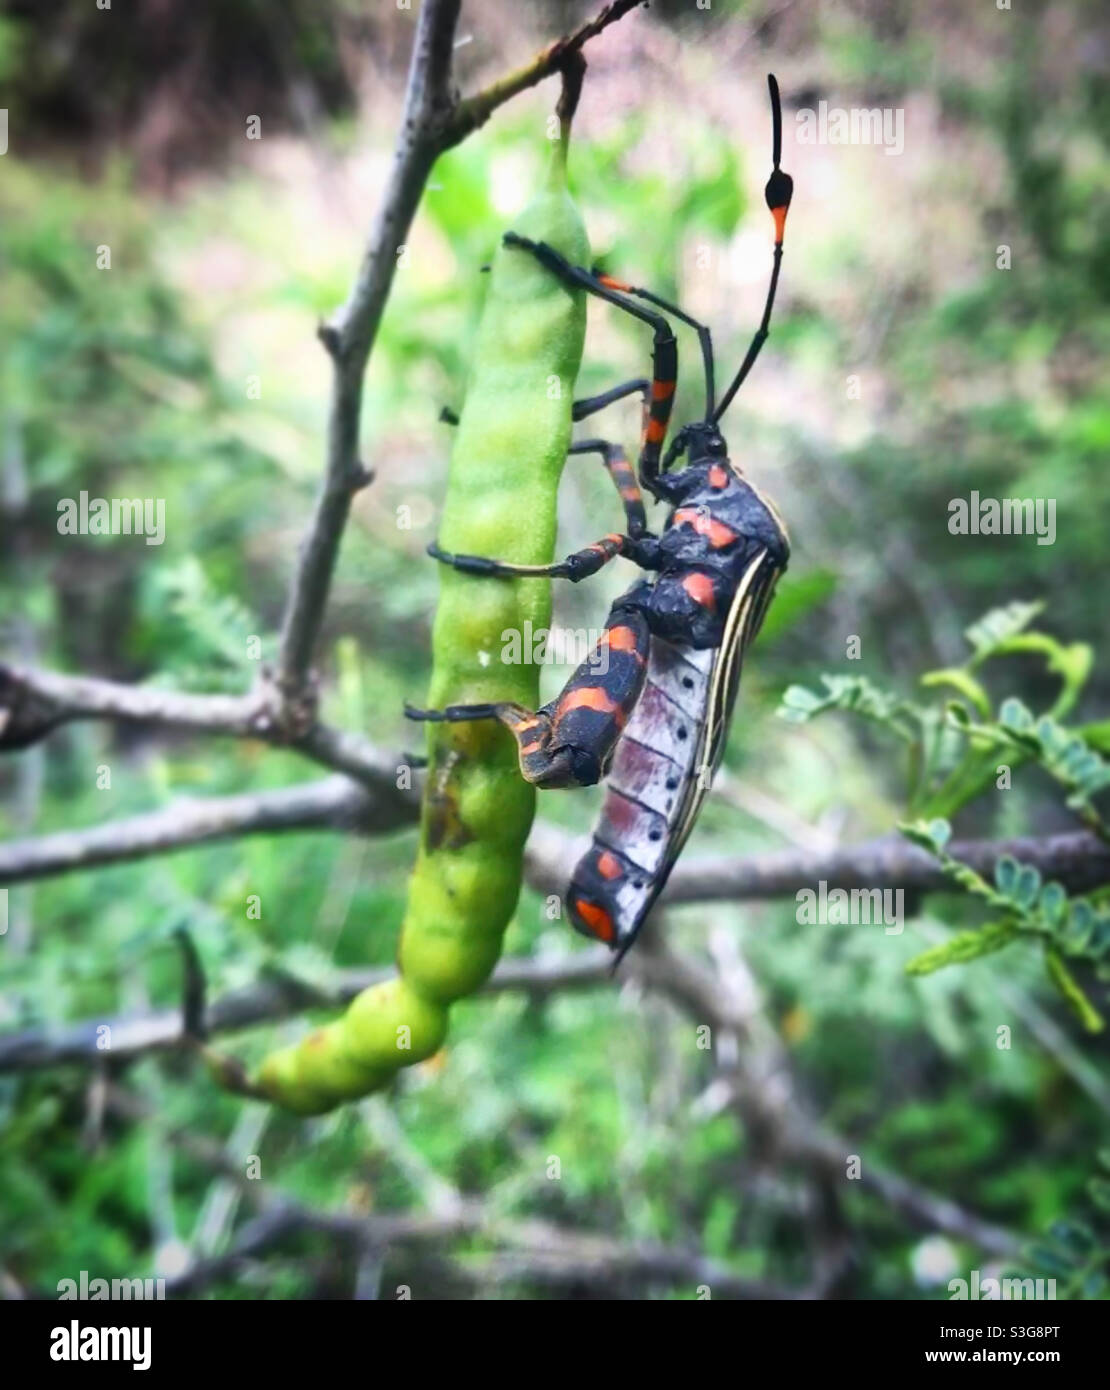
718, 477
587, 697
779, 214
621, 639
608, 865
611, 284
716, 532
596, 919
700, 588
662, 390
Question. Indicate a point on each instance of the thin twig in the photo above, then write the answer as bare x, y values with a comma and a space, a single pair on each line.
274, 997
349, 338
34, 702
333, 803
431, 123
761, 1081
1078, 860
473, 111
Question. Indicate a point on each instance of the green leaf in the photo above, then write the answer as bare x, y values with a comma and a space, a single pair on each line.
958, 714
853, 693
1005, 874
1070, 989
964, 946
998, 626
1027, 886
1014, 715
931, 836
1080, 924
1074, 1236
798, 704
940, 832
960, 679
1054, 901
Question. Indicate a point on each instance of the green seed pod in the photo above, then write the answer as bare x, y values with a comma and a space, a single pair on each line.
510, 447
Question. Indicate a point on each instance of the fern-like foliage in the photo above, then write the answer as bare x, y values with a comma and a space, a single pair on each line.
953, 747
956, 751
1024, 905
1076, 1251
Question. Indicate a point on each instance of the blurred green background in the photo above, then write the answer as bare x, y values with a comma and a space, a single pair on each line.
904, 369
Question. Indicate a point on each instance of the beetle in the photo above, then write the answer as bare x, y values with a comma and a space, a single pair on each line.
649, 709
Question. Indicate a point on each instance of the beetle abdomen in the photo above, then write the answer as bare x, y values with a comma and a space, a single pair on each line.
626, 866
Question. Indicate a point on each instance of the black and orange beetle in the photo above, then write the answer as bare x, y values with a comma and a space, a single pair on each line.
654, 725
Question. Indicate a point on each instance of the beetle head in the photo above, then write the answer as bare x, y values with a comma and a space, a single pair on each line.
701, 441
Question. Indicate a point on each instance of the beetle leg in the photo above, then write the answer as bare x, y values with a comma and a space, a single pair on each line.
590, 405
616, 461
664, 350
642, 550
624, 479
570, 742
705, 338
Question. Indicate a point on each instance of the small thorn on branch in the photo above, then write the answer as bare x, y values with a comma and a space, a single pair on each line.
362, 475
331, 338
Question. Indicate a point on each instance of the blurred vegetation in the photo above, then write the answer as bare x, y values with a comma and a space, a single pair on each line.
136, 382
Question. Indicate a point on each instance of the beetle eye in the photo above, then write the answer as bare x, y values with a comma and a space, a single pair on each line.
717, 445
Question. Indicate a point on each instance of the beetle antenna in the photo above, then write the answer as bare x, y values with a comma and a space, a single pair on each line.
776, 121
778, 192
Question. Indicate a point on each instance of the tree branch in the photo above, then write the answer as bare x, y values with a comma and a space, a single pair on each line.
334, 803
1079, 860
34, 702
274, 997
759, 1077
349, 338
534, 1249
473, 111
282, 708
431, 122
760, 1080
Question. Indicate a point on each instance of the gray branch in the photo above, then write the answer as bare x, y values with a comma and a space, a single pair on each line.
1079, 860
281, 709
275, 996
432, 121
34, 702
334, 803
762, 1086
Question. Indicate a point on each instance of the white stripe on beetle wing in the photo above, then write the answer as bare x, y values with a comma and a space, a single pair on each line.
722, 697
